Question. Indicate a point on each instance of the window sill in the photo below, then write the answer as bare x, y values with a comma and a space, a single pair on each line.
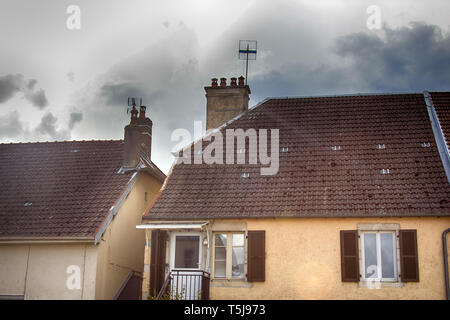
230, 283
379, 284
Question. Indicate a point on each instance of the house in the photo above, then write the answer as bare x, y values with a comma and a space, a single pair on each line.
358, 208
68, 212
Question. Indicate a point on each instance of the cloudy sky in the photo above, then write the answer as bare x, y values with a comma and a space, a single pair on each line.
60, 83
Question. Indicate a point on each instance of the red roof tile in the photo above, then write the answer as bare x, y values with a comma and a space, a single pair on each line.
315, 181
58, 189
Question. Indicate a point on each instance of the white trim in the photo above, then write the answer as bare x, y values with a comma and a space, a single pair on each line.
115, 208
172, 225
172, 249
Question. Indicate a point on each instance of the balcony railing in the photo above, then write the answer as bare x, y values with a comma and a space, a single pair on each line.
185, 285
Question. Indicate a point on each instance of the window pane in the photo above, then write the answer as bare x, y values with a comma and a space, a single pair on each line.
238, 262
370, 255
219, 269
387, 255
221, 254
187, 252
238, 239
221, 240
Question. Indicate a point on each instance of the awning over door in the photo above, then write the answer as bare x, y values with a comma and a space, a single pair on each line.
173, 225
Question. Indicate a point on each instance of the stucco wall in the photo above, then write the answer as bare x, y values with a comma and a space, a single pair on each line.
39, 271
303, 261
122, 246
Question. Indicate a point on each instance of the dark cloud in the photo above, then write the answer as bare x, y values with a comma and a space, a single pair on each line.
10, 84
75, 117
37, 98
47, 128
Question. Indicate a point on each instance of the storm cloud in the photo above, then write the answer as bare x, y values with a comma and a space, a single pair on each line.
11, 84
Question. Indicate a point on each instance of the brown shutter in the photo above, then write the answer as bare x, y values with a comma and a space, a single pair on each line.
256, 257
408, 256
157, 261
349, 256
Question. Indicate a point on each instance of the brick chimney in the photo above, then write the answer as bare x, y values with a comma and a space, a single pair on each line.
224, 102
138, 138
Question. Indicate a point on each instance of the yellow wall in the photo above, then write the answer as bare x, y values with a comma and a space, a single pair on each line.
122, 246
39, 271
303, 261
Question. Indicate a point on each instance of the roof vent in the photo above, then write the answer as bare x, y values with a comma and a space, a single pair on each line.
245, 175
284, 149
381, 146
425, 144
336, 148
384, 171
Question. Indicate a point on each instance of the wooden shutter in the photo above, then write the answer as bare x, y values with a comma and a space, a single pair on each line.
349, 256
408, 256
157, 261
256, 256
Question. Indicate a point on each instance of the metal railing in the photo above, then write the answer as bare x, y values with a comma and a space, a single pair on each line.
186, 285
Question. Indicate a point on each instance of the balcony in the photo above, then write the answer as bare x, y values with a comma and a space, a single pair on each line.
185, 285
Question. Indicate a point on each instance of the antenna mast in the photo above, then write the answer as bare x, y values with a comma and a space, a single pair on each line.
247, 51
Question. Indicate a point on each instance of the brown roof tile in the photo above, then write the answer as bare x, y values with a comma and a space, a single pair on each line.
58, 189
313, 180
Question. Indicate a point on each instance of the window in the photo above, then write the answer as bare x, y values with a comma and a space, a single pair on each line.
229, 255
379, 258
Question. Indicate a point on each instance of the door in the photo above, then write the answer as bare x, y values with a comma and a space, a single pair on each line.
185, 265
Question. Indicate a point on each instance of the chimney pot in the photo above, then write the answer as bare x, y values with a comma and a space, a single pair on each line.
233, 82
223, 82
142, 112
241, 81
214, 82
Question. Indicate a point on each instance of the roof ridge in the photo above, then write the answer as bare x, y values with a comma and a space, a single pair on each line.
363, 94
64, 141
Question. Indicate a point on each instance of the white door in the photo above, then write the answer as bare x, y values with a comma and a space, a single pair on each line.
185, 265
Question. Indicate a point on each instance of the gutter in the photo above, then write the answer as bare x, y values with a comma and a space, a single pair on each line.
444, 247
28, 240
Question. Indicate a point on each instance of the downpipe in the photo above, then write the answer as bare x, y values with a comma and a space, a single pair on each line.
444, 248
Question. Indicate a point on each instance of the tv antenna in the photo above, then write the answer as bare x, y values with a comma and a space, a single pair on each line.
132, 102
247, 51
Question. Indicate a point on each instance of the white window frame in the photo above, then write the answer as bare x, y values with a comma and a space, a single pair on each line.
173, 241
379, 262
228, 256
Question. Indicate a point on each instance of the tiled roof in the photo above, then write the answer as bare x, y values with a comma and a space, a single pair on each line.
314, 180
441, 102
58, 189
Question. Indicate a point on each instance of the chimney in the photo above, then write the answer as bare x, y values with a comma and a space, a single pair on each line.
224, 102
138, 138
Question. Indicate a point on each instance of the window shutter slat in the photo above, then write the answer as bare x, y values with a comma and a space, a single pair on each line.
256, 256
349, 256
408, 256
157, 261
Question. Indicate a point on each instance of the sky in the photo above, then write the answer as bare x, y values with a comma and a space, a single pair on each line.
66, 75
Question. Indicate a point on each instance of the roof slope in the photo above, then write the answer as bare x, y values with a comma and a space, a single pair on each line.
58, 189
441, 102
314, 180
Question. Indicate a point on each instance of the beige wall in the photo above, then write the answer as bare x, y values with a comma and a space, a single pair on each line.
122, 246
303, 261
39, 271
